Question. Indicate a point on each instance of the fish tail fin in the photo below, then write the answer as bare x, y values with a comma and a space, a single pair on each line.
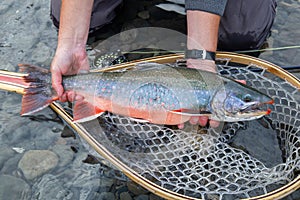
38, 94
12, 79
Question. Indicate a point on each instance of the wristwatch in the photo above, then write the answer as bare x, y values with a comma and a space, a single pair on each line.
200, 54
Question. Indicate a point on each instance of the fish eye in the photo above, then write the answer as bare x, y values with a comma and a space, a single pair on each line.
247, 98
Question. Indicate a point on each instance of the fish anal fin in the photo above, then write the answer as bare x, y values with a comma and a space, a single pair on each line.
84, 111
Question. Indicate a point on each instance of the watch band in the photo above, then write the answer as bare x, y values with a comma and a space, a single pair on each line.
200, 54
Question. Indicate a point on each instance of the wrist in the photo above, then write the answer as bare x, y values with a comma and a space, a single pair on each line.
70, 43
200, 54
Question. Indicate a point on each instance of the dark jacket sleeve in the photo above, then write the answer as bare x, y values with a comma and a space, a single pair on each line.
211, 6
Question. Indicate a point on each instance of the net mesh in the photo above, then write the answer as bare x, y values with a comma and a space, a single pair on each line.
203, 162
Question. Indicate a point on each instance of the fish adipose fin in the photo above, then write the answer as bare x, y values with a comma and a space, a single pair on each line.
39, 94
84, 111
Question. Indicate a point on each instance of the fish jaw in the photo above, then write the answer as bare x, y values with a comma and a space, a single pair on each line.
250, 111
229, 103
242, 116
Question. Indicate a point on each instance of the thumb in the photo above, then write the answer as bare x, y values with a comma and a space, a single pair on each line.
57, 83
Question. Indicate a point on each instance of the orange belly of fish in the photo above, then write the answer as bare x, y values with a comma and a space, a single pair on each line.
158, 116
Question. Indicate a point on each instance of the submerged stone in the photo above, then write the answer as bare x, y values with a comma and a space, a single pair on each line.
34, 163
13, 188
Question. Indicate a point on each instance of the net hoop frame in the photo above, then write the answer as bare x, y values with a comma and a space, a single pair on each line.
150, 186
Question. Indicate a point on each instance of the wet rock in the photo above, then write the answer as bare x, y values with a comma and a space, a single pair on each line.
11, 164
142, 197
64, 153
106, 183
125, 196
67, 132
90, 159
5, 154
13, 188
107, 196
136, 189
154, 197
259, 141
34, 163
51, 187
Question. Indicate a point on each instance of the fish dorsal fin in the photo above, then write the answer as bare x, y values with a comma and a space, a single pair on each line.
192, 113
84, 111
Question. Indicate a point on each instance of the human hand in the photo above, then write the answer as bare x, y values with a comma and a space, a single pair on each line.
68, 61
206, 65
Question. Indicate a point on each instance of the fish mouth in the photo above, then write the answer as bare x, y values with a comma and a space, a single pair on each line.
256, 109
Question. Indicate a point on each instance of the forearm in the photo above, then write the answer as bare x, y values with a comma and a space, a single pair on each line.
74, 23
202, 30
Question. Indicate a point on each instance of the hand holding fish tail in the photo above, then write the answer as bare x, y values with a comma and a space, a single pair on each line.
70, 56
67, 63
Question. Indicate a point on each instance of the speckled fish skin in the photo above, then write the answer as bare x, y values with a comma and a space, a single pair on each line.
155, 91
166, 88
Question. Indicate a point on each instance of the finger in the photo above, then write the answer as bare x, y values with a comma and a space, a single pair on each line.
180, 126
72, 96
57, 83
203, 120
194, 120
214, 124
241, 81
63, 97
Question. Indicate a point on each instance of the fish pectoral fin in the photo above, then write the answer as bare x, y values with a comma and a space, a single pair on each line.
84, 111
189, 112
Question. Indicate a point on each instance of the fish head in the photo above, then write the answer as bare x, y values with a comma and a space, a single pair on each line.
235, 101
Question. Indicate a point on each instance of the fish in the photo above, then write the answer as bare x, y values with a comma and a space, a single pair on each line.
150, 92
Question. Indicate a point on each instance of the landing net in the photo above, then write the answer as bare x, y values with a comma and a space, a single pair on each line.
203, 162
